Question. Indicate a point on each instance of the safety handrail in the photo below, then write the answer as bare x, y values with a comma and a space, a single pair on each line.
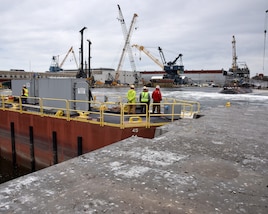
106, 113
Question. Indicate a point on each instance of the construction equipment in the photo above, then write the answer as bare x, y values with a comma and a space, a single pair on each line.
144, 50
56, 67
172, 70
237, 75
171, 67
70, 51
162, 56
127, 36
234, 62
168, 67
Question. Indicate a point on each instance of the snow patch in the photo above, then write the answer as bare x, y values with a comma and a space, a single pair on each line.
217, 142
132, 172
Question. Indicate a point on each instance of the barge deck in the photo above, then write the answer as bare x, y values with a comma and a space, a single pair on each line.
55, 134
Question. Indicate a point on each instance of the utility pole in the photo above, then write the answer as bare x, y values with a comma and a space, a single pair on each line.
89, 56
81, 73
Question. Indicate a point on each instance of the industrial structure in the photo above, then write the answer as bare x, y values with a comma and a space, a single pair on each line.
236, 77
127, 48
172, 71
241, 75
56, 67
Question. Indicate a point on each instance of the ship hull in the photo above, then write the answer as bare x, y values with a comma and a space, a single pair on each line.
47, 130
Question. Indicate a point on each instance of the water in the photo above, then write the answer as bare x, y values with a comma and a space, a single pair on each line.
207, 96
8, 172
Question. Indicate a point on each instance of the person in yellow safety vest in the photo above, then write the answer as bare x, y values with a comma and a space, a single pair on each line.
24, 94
145, 98
131, 98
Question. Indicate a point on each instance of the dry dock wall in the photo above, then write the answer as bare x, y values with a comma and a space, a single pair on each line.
215, 164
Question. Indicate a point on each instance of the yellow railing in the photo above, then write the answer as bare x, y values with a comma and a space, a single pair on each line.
112, 111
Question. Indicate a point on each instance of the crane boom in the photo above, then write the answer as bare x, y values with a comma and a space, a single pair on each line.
175, 60
70, 50
126, 44
125, 33
75, 59
162, 55
142, 48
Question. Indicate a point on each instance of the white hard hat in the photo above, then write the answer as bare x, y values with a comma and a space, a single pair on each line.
157, 86
132, 86
144, 88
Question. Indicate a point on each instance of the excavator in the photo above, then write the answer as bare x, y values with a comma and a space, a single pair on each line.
56, 67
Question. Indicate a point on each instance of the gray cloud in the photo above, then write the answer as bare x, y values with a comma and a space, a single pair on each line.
32, 31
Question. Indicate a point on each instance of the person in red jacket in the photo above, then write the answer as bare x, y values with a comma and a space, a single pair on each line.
157, 97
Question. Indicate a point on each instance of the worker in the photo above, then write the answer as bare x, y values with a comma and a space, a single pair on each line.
24, 94
131, 98
157, 97
145, 98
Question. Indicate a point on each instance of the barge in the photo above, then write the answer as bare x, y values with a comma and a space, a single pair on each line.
46, 131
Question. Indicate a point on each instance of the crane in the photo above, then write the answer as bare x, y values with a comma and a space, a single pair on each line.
162, 56
143, 49
237, 75
127, 35
170, 67
172, 70
56, 67
70, 50
234, 63
170, 63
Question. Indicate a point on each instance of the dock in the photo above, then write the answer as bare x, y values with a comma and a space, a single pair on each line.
217, 163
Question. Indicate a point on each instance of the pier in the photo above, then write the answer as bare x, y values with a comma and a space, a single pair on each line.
215, 164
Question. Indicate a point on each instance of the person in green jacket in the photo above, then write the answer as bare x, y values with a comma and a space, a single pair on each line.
24, 94
131, 98
145, 98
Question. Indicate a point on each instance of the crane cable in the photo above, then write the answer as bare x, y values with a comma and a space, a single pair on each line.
265, 24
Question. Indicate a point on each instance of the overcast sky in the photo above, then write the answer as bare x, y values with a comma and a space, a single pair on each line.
32, 31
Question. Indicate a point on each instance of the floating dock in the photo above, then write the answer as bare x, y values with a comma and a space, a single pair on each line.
215, 164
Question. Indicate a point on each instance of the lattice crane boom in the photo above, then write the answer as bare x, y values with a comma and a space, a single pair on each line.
127, 36
70, 50
144, 50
